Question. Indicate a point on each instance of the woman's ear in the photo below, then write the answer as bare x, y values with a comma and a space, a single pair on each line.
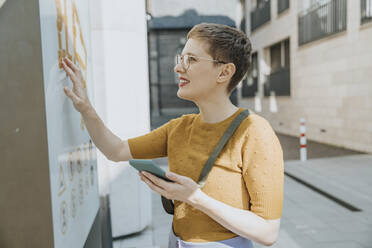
226, 73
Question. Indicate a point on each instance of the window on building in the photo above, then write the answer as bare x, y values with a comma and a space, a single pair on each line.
366, 11
260, 13
279, 56
250, 84
279, 79
283, 5
275, 57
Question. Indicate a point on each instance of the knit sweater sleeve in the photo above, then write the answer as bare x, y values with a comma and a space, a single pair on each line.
263, 169
151, 145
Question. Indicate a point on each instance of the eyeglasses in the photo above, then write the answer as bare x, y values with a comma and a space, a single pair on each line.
185, 59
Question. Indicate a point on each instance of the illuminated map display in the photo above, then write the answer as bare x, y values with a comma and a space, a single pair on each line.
65, 31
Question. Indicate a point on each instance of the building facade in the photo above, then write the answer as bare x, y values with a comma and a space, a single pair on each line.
314, 60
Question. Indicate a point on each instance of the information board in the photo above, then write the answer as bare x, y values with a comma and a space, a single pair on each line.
65, 31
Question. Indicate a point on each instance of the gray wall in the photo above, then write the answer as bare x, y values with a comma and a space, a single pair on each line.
26, 217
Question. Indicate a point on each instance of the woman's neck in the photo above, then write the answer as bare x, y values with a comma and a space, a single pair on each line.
213, 112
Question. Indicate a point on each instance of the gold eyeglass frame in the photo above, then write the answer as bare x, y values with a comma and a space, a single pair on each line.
180, 59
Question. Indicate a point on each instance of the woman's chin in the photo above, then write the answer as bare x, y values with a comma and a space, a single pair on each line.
182, 95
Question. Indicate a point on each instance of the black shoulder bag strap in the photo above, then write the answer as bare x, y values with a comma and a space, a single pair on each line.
168, 205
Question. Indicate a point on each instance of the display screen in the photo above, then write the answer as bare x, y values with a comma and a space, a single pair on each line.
65, 31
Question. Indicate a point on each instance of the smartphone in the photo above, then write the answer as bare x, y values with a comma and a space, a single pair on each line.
149, 166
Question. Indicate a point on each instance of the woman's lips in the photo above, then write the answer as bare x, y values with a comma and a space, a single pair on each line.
183, 82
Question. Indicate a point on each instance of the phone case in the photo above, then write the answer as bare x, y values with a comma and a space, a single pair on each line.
149, 166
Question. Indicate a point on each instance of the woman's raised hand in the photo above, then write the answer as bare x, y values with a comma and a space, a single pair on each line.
78, 94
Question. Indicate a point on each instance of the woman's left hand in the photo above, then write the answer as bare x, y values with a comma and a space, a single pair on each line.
182, 189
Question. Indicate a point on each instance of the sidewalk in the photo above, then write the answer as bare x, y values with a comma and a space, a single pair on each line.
312, 220
309, 218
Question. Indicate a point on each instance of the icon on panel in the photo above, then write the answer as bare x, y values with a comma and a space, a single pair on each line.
62, 183
73, 203
91, 174
86, 155
63, 217
70, 164
87, 182
81, 191
78, 159
90, 150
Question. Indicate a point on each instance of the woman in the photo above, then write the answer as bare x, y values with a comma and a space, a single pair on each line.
242, 198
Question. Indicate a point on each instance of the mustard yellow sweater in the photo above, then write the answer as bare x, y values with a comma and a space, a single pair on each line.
248, 174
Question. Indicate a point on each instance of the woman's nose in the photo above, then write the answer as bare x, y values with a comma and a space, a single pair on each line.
178, 68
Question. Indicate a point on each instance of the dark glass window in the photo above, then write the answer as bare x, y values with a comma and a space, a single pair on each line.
275, 57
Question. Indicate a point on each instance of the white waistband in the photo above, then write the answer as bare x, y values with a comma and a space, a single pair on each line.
177, 242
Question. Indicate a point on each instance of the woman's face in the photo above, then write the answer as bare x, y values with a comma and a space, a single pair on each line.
201, 74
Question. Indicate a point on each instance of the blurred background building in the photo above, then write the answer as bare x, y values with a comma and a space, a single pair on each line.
304, 62
315, 56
